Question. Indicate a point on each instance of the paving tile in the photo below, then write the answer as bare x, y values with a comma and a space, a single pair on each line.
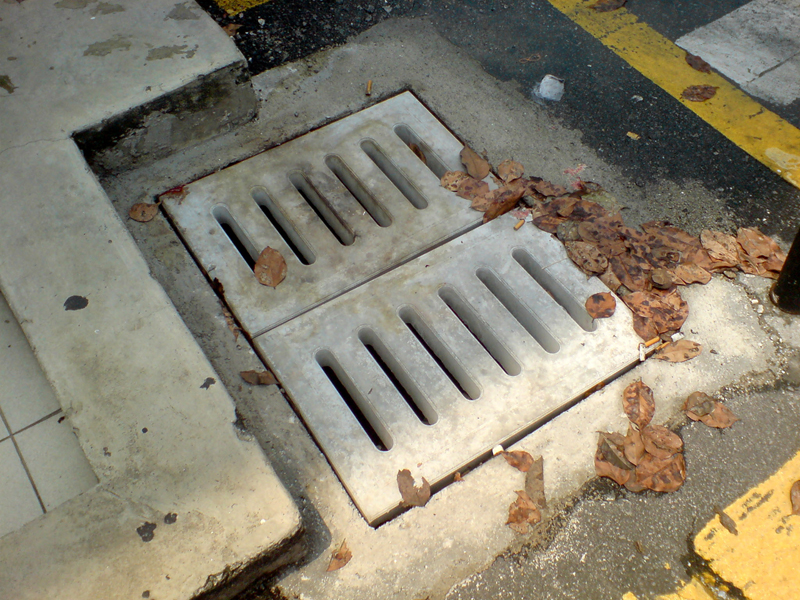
780, 85
18, 503
25, 396
55, 461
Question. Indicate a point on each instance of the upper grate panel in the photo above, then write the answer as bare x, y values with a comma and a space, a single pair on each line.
431, 365
341, 204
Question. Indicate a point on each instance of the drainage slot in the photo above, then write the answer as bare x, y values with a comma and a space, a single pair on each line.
236, 235
399, 377
357, 189
479, 330
282, 225
518, 310
361, 409
552, 286
320, 206
394, 174
421, 149
440, 353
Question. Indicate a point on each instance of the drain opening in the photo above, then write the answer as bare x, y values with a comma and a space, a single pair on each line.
518, 310
553, 287
235, 234
357, 189
432, 161
282, 225
440, 353
359, 407
399, 377
395, 175
320, 206
480, 330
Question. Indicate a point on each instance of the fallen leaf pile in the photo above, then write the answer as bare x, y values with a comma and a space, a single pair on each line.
644, 266
649, 456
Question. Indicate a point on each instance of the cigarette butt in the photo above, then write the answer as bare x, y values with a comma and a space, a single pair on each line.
369, 88
519, 224
655, 340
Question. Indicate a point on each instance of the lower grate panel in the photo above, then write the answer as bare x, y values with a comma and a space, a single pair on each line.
431, 365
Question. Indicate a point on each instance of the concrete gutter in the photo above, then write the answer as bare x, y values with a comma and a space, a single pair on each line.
125, 369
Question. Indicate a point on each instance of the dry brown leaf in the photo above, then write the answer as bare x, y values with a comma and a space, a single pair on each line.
231, 28
611, 280
662, 279
631, 271
699, 93
477, 166
587, 257
545, 188
470, 188
722, 248
258, 377
610, 461
143, 212
601, 306
523, 512
692, 273
633, 446
413, 495
661, 475
519, 459
608, 5
548, 223
660, 441
501, 201
712, 412
656, 314
562, 206
638, 403
679, 351
229, 320
726, 521
418, 151
452, 179
697, 63
794, 496
458, 477
534, 483
270, 268
340, 558
509, 170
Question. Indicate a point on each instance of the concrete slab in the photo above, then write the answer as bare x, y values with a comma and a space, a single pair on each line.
780, 85
423, 552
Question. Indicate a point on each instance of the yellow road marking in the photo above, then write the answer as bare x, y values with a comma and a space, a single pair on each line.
694, 590
756, 130
234, 7
762, 559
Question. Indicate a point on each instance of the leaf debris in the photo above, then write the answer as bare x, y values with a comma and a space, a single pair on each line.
258, 377
519, 459
413, 495
340, 558
523, 512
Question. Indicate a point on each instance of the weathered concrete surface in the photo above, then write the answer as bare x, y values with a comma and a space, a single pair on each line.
125, 368
425, 551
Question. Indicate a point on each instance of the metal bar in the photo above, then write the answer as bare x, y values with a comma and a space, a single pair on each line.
786, 292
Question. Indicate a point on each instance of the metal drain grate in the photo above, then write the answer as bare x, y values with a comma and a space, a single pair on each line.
432, 364
342, 204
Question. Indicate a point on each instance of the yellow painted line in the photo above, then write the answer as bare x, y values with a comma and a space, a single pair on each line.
756, 130
762, 560
234, 7
694, 590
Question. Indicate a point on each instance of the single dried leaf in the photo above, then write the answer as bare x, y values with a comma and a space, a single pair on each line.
340, 558
519, 459
562, 207
610, 280
418, 151
699, 93
545, 188
692, 273
452, 179
698, 405
608, 5
631, 271
231, 28
726, 521
270, 268
587, 257
662, 279
756, 244
722, 248
697, 63
413, 495
609, 459
601, 306
258, 377
794, 495
548, 223
633, 446
502, 200
476, 166
679, 351
534, 483
143, 211
638, 403
657, 313
661, 475
509, 170
523, 512
721, 417
470, 188
660, 441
